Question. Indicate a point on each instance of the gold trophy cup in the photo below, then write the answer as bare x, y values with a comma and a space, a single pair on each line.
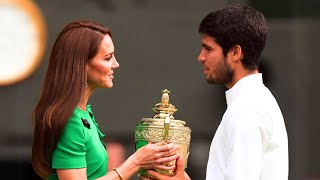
163, 127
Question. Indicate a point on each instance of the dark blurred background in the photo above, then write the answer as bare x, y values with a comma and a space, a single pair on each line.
157, 44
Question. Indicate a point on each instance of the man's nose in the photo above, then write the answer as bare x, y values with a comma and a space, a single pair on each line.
201, 58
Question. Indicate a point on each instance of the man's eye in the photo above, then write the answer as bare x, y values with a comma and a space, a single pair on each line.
207, 48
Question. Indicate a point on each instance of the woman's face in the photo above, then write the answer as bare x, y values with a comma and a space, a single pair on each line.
100, 70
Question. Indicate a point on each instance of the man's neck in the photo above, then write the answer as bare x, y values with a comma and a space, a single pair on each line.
239, 75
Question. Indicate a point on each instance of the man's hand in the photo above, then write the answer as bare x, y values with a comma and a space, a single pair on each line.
180, 173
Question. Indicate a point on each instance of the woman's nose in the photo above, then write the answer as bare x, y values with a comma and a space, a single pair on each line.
115, 63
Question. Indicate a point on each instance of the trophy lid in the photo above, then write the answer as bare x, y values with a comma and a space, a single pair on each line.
164, 109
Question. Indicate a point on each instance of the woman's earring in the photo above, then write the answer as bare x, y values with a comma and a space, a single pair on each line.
86, 84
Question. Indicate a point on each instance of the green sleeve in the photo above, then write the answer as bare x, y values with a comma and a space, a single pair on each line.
70, 152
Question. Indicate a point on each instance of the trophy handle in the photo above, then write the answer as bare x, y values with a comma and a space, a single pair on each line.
166, 129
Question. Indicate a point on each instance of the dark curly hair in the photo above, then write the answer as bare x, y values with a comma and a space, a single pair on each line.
238, 25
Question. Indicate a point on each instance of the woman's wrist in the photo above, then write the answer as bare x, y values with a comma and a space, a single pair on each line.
134, 161
119, 174
129, 167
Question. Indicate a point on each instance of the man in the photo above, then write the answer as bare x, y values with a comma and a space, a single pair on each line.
251, 141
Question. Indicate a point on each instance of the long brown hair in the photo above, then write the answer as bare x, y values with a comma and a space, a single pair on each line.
63, 87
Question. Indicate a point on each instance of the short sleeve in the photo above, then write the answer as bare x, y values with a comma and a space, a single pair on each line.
70, 152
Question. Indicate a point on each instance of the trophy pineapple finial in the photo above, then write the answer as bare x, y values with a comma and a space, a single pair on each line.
164, 108
165, 96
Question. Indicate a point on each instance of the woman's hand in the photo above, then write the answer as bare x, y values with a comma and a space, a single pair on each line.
149, 156
153, 156
180, 173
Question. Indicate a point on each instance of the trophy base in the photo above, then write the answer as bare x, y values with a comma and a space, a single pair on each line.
160, 171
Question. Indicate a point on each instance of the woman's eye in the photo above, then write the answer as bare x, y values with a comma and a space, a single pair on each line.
108, 59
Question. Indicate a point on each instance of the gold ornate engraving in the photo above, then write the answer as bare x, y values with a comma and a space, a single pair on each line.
155, 134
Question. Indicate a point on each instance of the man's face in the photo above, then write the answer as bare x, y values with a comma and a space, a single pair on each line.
215, 64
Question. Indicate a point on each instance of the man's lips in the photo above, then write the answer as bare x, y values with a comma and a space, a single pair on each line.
205, 69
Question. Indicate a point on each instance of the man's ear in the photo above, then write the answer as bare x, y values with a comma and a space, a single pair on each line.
236, 53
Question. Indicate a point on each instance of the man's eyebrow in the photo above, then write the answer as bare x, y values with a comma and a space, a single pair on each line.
206, 46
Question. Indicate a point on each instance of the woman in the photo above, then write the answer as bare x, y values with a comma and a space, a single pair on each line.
66, 141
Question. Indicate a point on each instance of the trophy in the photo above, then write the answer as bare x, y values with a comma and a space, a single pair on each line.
163, 127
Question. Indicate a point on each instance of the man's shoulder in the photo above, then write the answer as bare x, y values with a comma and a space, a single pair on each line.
241, 112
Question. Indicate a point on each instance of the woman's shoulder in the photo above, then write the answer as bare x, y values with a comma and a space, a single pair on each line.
74, 128
77, 115
75, 122
79, 119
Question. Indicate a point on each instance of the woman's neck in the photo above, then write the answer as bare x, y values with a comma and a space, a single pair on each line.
84, 100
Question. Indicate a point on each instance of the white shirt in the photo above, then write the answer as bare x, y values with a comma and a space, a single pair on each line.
251, 141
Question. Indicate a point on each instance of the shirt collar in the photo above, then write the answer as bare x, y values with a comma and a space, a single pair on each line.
243, 86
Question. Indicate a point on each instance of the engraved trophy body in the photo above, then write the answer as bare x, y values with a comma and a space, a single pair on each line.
163, 127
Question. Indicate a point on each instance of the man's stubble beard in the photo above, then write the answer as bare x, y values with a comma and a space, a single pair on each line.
224, 74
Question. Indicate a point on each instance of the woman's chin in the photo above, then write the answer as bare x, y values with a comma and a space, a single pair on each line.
109, 85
